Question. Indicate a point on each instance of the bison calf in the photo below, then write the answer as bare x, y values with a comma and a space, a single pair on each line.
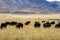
27, 23
43, 21
52, 22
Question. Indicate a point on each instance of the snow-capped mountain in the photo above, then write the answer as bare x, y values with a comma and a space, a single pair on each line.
41, 5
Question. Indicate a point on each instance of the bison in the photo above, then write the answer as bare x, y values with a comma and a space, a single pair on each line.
43, 21
53, 22
7, 23
3, 25
13, 23
19, 25
27, 23
47, 25
37, 25
57, 25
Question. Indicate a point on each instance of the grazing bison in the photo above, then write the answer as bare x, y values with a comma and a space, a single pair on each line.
53, 22
3, 25
57, 25
46, 25
19, 25
43, 21
13, 23
37, 24
27, 23
7, 23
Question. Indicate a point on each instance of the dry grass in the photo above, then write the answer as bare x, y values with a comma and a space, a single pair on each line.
29, 32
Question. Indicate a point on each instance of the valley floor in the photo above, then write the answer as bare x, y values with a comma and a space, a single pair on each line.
29, 32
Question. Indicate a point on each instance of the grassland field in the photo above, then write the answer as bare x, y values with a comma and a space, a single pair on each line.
28, 32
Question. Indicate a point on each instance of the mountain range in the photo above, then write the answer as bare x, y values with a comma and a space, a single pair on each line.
37, 5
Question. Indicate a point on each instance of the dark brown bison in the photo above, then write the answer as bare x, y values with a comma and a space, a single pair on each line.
47, 25
43, 21
13, 23
53, 22
7, 23
57, 25
19, 25
27, 23
37, 25
3, 25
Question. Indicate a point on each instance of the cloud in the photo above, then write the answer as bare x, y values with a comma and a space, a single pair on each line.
53, 0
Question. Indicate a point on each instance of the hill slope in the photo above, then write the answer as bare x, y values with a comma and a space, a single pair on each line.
41, 5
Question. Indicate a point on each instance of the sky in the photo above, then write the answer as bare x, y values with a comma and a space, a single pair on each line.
52, 0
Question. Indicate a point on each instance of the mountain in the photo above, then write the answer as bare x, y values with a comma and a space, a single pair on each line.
40, 5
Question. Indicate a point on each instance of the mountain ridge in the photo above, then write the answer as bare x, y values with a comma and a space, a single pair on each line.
41, 5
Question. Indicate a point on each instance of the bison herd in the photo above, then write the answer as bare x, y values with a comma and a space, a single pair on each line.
36, 24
